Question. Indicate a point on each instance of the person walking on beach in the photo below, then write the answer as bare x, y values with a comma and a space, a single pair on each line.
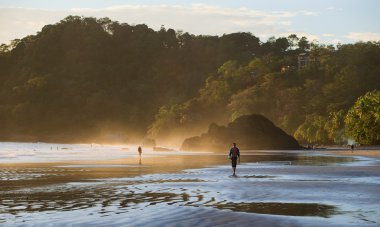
234, 155
140, 151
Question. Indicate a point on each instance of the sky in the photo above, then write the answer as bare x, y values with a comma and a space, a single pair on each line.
323, 21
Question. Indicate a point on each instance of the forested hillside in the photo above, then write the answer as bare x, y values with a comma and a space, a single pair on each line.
311, 102
87, 79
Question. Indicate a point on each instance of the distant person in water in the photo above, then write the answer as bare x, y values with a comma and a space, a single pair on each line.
140, 151
352, 147
234, 156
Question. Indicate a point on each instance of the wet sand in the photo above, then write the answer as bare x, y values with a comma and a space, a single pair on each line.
273, 188
358, 152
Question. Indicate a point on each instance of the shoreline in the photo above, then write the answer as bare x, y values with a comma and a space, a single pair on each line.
357, 152
169, 163
275, 188
154, 157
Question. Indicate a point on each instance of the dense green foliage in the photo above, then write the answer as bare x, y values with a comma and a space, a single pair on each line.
310, 103
363, 119
85, 77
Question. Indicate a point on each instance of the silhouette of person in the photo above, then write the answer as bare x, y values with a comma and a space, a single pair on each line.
140, 151
234, 155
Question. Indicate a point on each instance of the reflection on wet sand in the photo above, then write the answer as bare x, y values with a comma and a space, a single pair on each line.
124, 198
291, 209
109, 188
37, 174
257, 176
302, 160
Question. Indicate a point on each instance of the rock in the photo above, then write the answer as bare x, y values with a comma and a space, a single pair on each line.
250, 132
162, 149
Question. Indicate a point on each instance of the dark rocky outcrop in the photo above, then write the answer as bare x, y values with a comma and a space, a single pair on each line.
162, 149
249, 132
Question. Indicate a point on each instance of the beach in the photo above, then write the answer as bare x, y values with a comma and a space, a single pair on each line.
111, 186
373, 152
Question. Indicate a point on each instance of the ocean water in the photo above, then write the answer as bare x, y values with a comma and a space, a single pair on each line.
11, 152
272, 188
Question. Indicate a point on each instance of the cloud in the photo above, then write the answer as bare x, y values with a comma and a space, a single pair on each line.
328, 35
196, 19
19, 22
336, 41
363, 36
309, 13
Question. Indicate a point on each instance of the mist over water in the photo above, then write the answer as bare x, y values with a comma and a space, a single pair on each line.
11, 152
44, 152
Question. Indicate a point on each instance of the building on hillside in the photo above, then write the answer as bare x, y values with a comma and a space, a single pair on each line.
305, 61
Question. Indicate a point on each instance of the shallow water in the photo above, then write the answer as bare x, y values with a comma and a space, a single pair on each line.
45, 152
273, 188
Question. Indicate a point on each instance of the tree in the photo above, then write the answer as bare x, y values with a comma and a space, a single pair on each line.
312, 130
82, 77
303, 44
281, 45
293, 41
335, 127
363, 119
